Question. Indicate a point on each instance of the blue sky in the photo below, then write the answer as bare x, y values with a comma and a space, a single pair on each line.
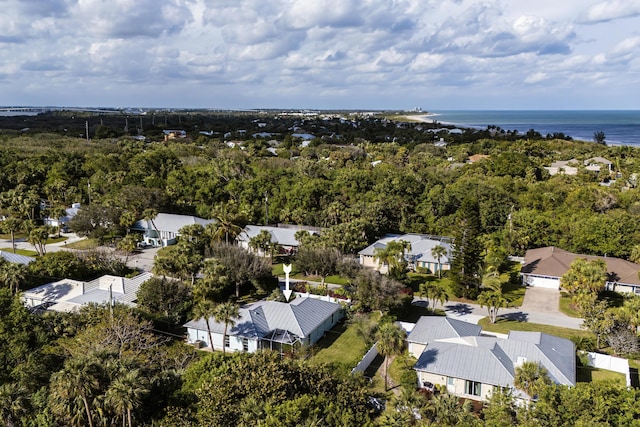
322, 54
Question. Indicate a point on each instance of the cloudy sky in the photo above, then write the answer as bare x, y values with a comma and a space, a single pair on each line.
362, 54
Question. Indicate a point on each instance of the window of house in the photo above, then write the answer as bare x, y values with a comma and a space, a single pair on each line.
472, 388
226, 341
245, 344
450, 380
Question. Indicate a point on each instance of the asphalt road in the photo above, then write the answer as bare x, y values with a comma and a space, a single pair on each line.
539, 306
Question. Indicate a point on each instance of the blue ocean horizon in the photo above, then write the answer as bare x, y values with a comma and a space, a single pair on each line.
621, 127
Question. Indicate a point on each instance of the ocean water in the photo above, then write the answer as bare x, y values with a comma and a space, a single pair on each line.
621, 127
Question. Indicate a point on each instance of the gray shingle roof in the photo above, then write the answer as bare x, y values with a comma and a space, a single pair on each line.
554, 262
301, 317
431, 328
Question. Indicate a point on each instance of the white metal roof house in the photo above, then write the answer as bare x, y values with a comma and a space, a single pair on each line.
284, 236
165, 228
454, 354
419, 256
270, 325
61, 222
16, 258
68, 295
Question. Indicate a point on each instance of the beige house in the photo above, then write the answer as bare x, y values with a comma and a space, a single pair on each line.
543, 268
455, 355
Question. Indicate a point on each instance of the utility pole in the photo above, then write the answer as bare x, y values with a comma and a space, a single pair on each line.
266, 208
89, 191
86, 127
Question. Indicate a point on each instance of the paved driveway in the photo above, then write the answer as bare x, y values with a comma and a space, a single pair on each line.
541, 300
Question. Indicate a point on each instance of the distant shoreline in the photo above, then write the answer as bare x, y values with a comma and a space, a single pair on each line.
424, 118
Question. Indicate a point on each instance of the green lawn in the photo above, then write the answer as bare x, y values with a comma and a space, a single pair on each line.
504, 326
84, 244
341, 346
56, 239
24, 252
566, 307
586, 374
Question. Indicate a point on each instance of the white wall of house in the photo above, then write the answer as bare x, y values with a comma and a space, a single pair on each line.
456, 386
235, 343
622, 288
372, 262
542, 281
416, 349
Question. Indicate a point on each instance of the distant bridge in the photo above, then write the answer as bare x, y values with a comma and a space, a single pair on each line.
47, 109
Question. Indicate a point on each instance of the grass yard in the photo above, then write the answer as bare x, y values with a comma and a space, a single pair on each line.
56, 239
566, 306
24, 252
84, 244
585, 374
341, 346
504, 326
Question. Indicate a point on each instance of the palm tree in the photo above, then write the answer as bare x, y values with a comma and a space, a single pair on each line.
226, 313
390, 339
438, 252
205, 309
531, 377
226, 225
491, 281
11, 225
630, 311
57, 213
76, 382
493, 301
149, 215
444, 409
434, 292
125, 394
12, 275
392, 255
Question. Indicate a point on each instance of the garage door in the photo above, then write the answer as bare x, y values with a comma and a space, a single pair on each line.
543, 282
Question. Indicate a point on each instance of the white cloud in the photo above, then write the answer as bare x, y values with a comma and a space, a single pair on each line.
612, 10
321, 53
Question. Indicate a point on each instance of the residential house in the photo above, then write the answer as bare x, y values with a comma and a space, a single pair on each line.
282, 235
270, 325
454, 354
68, 295
571, 167
543, 268
174, 134
16, 258
164, 229
477, 158
419, 256
62, 222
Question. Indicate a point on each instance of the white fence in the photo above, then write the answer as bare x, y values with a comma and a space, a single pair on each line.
366, 360
610, 363
322, 297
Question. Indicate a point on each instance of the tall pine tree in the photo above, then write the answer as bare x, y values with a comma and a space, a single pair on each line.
467, 250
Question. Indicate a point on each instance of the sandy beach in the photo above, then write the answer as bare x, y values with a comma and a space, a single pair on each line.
424, 118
